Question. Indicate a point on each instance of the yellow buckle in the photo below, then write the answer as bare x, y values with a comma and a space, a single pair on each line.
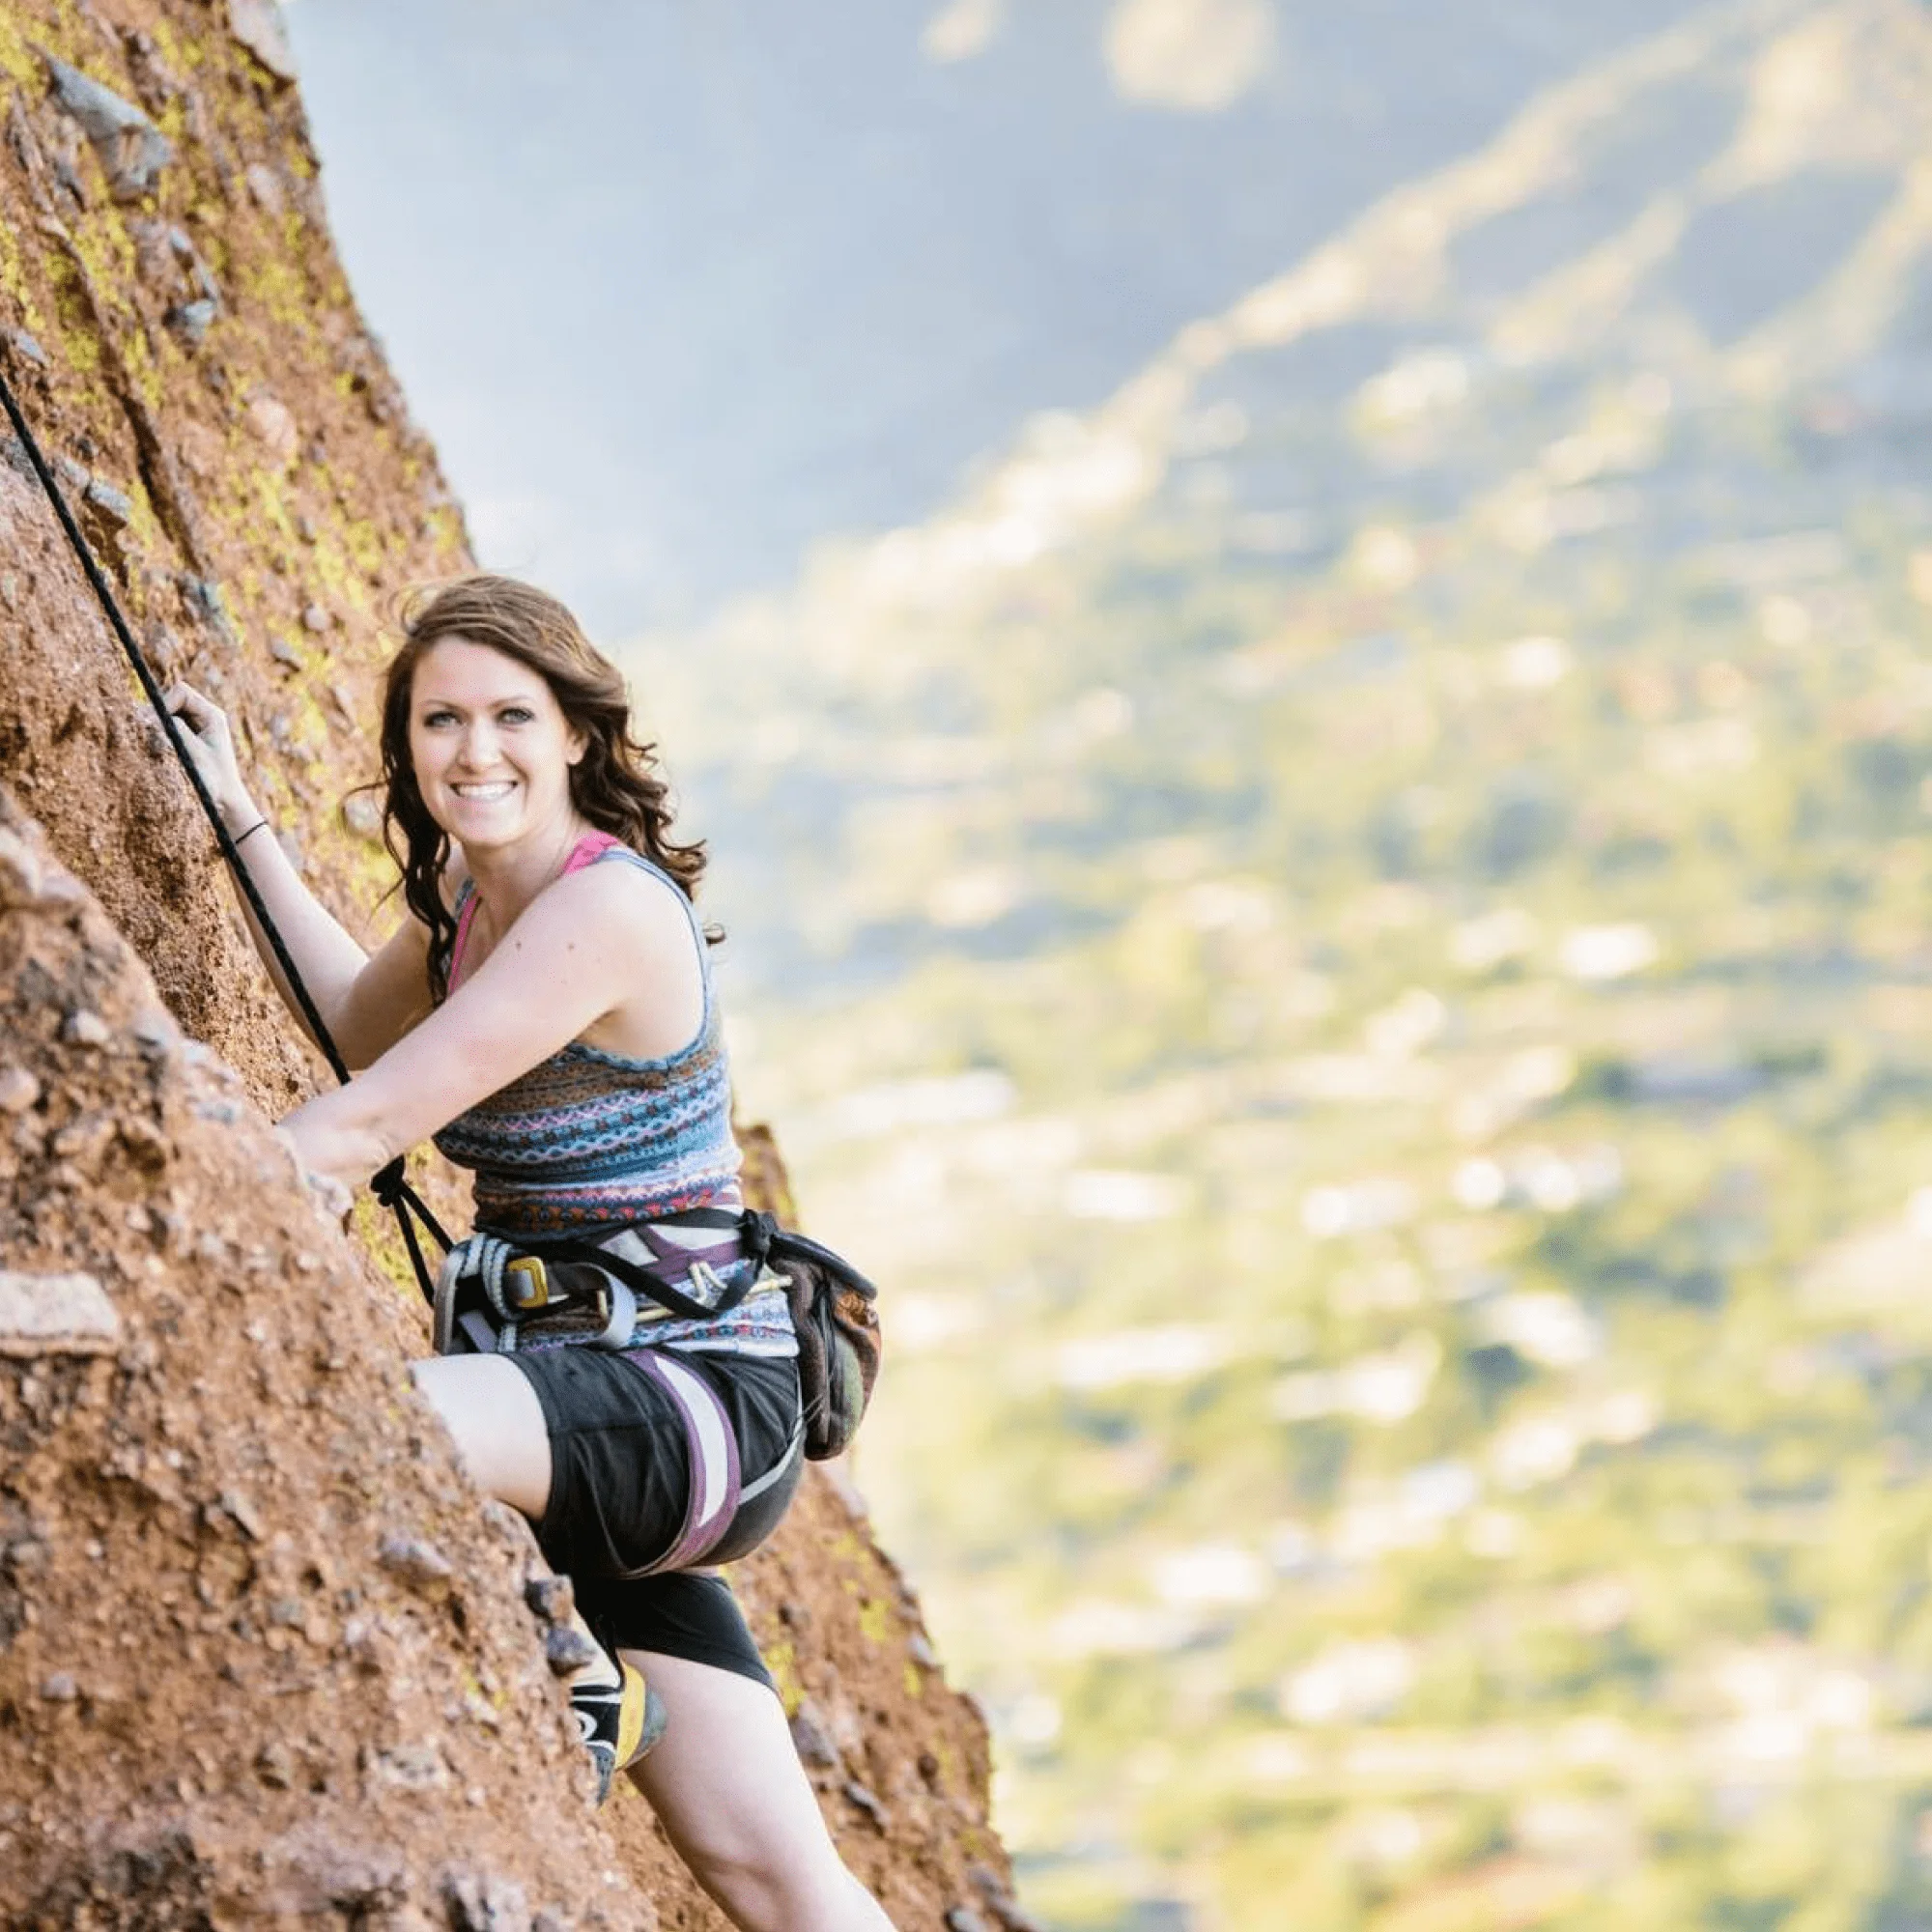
534, 1292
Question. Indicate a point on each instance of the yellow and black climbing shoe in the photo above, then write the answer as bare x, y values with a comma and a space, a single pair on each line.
620, 1717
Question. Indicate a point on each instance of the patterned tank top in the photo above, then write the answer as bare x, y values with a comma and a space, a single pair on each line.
589, 1142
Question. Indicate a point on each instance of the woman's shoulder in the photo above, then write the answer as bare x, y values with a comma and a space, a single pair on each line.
627, 884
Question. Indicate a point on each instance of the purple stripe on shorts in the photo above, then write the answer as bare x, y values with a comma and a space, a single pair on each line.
714, 1477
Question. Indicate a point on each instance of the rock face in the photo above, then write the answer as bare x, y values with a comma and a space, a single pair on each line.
264, 1654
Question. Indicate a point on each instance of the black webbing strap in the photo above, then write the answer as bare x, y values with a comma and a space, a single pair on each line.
645, 1281
389, 1185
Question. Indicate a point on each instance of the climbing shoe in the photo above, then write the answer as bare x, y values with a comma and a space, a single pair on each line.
620, 1716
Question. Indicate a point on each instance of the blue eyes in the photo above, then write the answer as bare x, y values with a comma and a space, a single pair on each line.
511, 714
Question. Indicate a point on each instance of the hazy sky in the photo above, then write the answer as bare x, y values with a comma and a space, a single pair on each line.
682, 286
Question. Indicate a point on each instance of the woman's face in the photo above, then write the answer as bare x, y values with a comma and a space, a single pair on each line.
490, 744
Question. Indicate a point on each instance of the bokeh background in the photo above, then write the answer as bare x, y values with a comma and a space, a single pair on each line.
1300, 630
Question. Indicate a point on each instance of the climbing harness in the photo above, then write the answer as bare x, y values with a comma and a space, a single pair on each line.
495, 1297
389, 1184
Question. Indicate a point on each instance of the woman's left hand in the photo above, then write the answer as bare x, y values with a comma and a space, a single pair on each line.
324, 1190
210, 743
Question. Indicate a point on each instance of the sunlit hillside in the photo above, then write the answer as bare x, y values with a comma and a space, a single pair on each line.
1348, 934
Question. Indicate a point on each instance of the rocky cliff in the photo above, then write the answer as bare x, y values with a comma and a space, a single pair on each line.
264, 1654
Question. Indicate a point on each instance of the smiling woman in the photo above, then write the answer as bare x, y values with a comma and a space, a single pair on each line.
472, 712
546, 1012
489, 643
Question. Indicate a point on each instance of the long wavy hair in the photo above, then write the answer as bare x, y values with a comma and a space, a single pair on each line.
617, 784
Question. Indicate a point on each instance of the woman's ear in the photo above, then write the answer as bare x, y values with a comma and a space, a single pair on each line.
579, 742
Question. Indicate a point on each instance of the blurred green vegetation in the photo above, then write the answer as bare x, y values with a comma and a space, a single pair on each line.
1370, 1000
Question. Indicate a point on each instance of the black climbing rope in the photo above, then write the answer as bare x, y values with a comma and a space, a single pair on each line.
389, 1184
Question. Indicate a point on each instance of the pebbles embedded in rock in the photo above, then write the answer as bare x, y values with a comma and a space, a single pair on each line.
22, 878
567, 1650
25, 347
482, 1902
26, 1556
315, 618
1000, 1900
809, 1738
550, 1597
239, 1511
408, 1768
258, 26
265, 188
146, 1144
205, 599
863, 1799
421, 1565
132, 149
115, 505
273, 421
155, 1029
84, 1028
55, 1314
60, 1688
362, 815
164, 654
191, 321
84, 1140
18, 1089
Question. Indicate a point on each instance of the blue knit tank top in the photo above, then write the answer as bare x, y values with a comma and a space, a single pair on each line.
587, 1141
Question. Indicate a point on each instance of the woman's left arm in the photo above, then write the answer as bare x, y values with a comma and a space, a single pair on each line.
584, 947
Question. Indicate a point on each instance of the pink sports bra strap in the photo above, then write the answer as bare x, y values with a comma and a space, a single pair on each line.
466, 911
588, 850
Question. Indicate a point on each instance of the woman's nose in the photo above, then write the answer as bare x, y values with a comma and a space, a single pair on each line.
479, 746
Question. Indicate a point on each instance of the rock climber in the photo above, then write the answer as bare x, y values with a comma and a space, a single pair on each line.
546, 1012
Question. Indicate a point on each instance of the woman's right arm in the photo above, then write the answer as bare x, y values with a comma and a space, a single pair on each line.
367, 1003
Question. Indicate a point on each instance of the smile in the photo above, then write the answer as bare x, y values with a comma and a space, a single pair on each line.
483, 794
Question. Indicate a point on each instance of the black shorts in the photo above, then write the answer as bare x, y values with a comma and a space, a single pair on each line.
620, 1485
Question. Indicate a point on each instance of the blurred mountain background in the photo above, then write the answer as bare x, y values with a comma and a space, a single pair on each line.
1299, 633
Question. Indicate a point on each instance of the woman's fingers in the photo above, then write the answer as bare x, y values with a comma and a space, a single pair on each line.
327, 1193
330, 1196
210, 745
194, 710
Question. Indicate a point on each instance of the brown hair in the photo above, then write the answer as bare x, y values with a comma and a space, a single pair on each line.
615, 784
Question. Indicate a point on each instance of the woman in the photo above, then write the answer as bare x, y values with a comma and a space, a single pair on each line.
546, 1012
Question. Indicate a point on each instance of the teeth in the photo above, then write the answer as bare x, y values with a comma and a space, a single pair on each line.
500, 789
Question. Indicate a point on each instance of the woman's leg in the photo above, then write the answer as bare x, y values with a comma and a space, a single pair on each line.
733, 1795
492, 1412
503, 1440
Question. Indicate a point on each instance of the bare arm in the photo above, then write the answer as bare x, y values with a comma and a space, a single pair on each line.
366, 1003
590, 945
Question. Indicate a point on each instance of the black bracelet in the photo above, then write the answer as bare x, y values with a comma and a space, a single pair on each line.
249, 833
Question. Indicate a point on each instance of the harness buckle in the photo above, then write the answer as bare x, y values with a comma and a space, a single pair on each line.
532, 1287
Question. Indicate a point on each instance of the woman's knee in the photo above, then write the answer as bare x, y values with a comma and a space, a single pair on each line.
781, 1882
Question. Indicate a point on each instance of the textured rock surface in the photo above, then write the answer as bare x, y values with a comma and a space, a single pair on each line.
236, 1685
